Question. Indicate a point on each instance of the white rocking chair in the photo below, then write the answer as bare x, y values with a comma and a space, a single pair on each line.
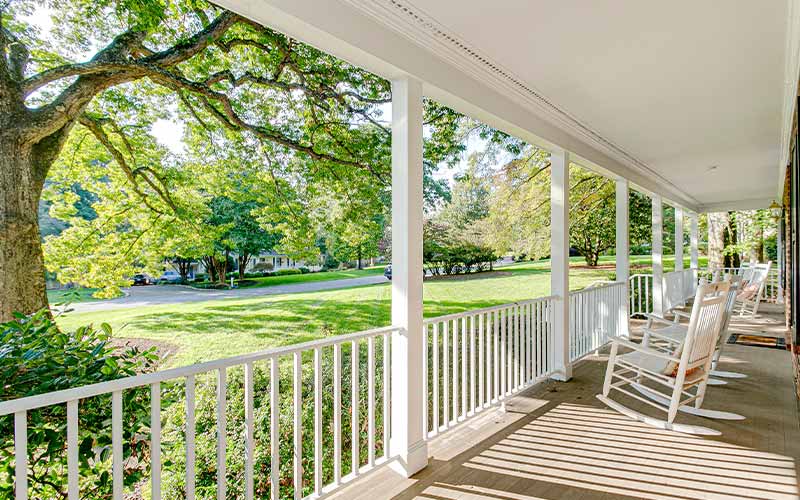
752, 290
678, 372
674, 332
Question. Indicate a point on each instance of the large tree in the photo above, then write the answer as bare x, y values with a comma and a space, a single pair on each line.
519, 214
228, 74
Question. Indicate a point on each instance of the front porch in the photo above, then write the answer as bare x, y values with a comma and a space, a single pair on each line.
556, 441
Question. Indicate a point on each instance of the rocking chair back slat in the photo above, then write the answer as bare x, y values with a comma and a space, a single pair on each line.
706, 320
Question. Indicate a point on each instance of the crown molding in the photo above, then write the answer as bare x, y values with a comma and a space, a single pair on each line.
414, 24
726, 206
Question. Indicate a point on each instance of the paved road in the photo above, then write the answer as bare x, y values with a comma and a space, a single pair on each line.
153, 295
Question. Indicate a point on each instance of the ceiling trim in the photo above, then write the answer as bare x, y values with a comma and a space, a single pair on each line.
424, 30
726, 206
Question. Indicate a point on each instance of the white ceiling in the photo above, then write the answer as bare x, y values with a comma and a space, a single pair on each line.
680, 85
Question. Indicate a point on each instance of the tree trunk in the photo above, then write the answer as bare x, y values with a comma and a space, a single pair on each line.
22, 281
359, 258
243, 260
716, 228
730, 237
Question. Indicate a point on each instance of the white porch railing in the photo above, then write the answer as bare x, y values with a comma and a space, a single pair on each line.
472, 361
640, 288
596, 314
330, 348
476, 359
679, 286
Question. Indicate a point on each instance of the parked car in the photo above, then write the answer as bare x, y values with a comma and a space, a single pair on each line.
170, 277
141, 280
388, 272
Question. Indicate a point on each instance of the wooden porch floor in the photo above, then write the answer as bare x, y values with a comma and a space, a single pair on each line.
556, 441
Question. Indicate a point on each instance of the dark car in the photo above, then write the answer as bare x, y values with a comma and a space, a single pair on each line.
388, 272
141, 280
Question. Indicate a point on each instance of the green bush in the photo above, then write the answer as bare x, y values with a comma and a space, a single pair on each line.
304, 270
35, 358
456, 257
287, 272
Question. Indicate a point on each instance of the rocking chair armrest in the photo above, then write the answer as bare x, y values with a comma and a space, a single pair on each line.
654, 333
646, 350
651, 317
682, 314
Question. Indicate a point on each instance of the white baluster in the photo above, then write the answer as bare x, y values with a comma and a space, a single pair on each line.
73, 487
116, 445
318, 421
222, 434
298, 425
274, 422
337, 413
21, 454
190, 435
155, 441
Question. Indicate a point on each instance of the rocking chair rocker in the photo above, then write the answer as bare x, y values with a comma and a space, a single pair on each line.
676, 373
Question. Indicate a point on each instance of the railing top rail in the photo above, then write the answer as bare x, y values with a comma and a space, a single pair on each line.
593, 287
87, 391
473, 312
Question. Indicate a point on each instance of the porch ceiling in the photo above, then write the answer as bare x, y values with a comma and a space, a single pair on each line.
657, 92
682, 86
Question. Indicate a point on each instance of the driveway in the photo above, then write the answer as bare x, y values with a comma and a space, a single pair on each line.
141, 296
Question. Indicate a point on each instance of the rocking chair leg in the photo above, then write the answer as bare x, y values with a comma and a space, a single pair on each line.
612, 359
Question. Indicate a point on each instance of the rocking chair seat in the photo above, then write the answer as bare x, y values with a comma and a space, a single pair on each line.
660, 366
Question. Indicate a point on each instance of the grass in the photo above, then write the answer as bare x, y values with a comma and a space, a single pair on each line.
314, 277
202, 331
77, 294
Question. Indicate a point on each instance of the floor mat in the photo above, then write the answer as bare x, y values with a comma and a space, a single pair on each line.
757, 341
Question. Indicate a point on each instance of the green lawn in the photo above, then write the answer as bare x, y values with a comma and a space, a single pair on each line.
312, 277
73, 295
202, 331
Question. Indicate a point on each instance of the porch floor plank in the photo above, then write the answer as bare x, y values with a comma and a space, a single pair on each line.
556, 441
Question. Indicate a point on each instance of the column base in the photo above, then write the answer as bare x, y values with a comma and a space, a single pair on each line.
562, 374
409, 463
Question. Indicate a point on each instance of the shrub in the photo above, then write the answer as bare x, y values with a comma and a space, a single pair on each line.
286, 272
262, 267
456, 258
304, 269
35, 358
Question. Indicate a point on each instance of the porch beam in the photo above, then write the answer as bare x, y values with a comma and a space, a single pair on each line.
559, 261
408, 393
694, 239
656, 253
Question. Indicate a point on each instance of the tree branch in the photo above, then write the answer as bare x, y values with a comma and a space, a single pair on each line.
95, 126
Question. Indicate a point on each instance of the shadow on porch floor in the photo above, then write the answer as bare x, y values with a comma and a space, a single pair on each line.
556, 441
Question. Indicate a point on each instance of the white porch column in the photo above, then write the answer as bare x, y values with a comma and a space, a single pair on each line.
623, 257
694, 238
623, 246
559, 261
656, 252
678, 238
408, 393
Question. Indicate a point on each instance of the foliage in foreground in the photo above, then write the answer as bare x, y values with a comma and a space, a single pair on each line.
35, 358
